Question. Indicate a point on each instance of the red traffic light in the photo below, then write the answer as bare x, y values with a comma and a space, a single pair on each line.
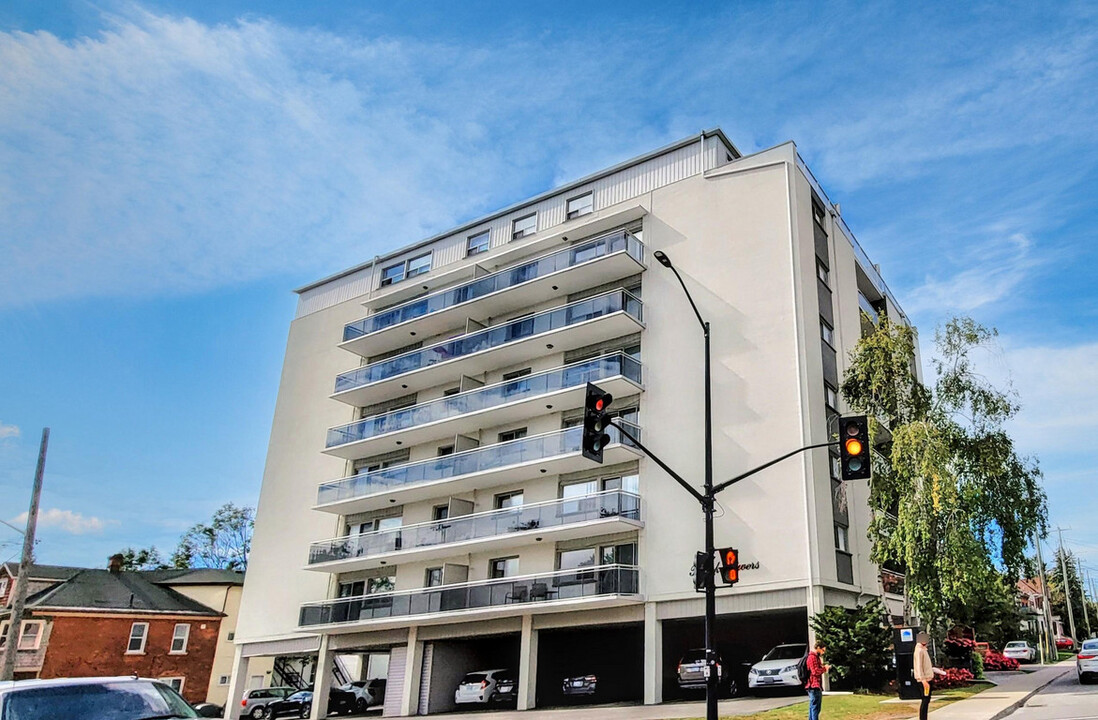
730, 565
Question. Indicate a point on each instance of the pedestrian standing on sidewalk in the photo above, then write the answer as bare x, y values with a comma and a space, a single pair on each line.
924, 671
814, 686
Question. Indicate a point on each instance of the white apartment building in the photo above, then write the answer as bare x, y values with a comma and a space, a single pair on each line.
425, 510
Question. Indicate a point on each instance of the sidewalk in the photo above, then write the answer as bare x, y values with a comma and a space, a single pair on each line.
1010, 691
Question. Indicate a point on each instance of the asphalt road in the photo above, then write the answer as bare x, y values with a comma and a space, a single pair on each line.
1063, 699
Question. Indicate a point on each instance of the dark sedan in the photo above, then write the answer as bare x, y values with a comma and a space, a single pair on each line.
580, 685
300, 704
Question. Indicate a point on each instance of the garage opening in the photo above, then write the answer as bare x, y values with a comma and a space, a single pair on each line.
602, 664
740, 640
446, 662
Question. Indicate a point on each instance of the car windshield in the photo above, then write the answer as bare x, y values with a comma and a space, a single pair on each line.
1016, 644
102, 701
786, 652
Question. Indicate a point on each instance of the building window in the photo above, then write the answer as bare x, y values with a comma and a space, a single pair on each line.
516, 374
831, 397
446, 450
139, 632
524, 226
503, 567
353, 588
440, 512
385, 583
433, 578
403, 270
842, 538
175, 683
231, 636
180, 635
827, 333
476, 244
451, 391
419, 265
392, 274
509, 500
512, 435
222, 680
3, 585
823, 273
581, 205
836, 469
31, 636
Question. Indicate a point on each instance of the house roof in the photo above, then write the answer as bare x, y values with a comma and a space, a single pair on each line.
44, 572
195, 576
114, 592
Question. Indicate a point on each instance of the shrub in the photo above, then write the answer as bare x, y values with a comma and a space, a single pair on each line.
997, 661
959, 647
954, 677
978, 665
858, 644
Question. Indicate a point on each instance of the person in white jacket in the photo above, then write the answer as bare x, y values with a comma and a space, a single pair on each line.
924, 671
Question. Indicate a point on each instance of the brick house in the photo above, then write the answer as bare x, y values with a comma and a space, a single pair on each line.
88, 622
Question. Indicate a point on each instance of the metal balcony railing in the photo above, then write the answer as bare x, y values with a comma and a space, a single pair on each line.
595, 581
492, 337
543, 383
578, 254
482, 459
496, 523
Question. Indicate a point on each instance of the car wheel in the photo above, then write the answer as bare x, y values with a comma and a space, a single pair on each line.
258, 713
304, 713
361, 705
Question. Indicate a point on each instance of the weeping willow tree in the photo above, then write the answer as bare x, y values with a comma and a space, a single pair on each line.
954, 501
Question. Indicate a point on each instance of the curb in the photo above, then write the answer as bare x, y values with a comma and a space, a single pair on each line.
1008, 710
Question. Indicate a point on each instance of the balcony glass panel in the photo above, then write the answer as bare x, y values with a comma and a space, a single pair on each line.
541, 516
495, 336
570, 584
575, 255
490, 457
570, 376
867, 307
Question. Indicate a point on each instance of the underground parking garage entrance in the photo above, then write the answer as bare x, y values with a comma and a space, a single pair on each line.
603, 664
446, 662
740, 640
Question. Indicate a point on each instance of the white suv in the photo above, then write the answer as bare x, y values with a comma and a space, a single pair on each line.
479, 687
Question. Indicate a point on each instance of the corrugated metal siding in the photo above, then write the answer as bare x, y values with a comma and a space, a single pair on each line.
425, 679
628, 184
394, 685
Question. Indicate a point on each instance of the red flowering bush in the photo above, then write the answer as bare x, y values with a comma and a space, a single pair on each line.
998, 661
954, 677
959, 646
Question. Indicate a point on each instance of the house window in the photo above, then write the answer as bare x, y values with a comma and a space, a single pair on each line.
31, 637
512, 435
823, 273
503, 567
477, 244
509, 500
222, 680
524, 226
175, 683
827, 333
3, 585
581, 205
139, 632
419, 265
392, 274
433, 578
180, 636
231, 636
831, 397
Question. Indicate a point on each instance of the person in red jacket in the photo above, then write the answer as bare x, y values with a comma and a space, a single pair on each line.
814, 686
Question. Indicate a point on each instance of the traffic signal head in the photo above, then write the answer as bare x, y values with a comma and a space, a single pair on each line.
702, 568
854, 447
596, 420
730, 565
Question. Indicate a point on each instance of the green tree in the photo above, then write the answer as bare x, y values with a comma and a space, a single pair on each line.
858, 642
141, 559
953, 497
224, 542
1076, 592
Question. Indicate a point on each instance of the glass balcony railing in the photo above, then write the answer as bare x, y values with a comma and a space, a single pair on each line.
497, 523
482, 459
495, 336
569, 376
601, 580
867, 307
577, 254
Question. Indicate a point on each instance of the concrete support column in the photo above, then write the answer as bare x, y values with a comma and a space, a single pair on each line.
815, 605
528, 665
323, 681
653, 656
413, 669
238, 683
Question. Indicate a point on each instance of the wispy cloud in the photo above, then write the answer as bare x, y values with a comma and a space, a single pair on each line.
67, 521
8, 431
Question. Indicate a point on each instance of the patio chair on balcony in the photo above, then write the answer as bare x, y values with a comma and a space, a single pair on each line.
540, 591
518, 594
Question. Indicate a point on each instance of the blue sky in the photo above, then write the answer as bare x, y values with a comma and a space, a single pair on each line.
169, 171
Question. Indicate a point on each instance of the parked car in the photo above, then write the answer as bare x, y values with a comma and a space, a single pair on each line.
778, 668
506, 689
480, 686
117, 698
1020, 650
209, 710
1063, 642
691, 670
580, 685
254, 703
300, 704
368, 693
1086, 662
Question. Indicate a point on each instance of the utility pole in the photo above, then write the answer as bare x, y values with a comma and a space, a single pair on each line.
7, 670
1046, 603
1066, 584
1083, 592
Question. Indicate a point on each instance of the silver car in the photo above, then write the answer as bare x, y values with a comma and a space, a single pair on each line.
255, 702
1086, 662
1020, 650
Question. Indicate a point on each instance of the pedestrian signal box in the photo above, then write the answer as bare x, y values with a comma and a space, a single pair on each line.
730, 565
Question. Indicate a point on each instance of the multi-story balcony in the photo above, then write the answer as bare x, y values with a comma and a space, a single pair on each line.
584, 264
598, 586
493, 405
568, 327
555, 520
488, 466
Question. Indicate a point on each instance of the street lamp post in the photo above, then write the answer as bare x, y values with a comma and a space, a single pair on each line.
707, 506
